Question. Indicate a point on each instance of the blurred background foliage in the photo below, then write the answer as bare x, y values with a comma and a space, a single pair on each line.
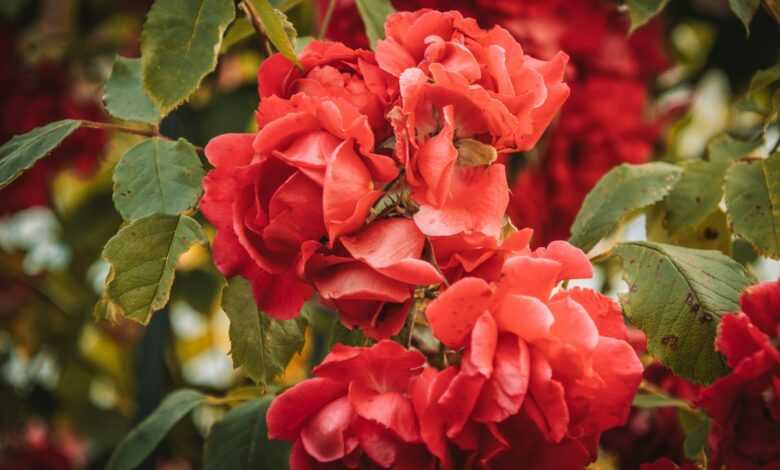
72, 386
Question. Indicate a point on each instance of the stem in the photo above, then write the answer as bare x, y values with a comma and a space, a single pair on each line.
413, 321
326, 19
120, 128
434, 262
250, 12
154, 132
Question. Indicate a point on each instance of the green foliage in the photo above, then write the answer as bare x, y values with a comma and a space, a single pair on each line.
179, 46
753, 202
22, 151
711, 233
259, 343
240, 441
642, 11
677, 296
696, 195
745, 10
125, 97
725, 149
142, 440
277, 28
143, 258
157, 176
374, 13
696, 439
656, 400
638, 186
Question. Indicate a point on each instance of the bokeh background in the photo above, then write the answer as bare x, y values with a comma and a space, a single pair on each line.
71, 386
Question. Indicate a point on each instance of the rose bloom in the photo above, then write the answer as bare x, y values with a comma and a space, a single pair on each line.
370, 276
468, 95
355, 413
552, 367
331, 70
309, 174
745, 405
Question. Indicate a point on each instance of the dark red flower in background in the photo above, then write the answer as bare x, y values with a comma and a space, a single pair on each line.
35, 95
745, 405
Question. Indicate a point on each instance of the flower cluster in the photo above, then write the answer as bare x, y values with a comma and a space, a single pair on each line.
542, 372
745, 405
601, 126
32, 96
375, 182
403, 138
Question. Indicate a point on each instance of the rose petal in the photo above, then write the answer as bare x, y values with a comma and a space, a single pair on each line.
454, 312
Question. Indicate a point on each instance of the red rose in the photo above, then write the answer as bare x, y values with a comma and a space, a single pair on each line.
355, 413
331, 70
493, 86
467, 95
371, 275
745, 405
560, 360
309, 173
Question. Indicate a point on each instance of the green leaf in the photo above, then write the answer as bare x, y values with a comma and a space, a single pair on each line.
624, 189
725, 149
125, 97
277, 28
374, 13
696, 439
142, 440
259, 343
745, 10
143, 258
642, 11
696, 195
157, 176
677, 296
22, 151
656, 400
753, 202
711, 233
238, 31
240, 441
764, 78
179, 46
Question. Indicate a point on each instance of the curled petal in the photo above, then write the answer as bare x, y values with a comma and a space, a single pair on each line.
453, 314
230, 150
527, 317
291, 410
323, 435
347, 193
390, 409
477, 202
574, 263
